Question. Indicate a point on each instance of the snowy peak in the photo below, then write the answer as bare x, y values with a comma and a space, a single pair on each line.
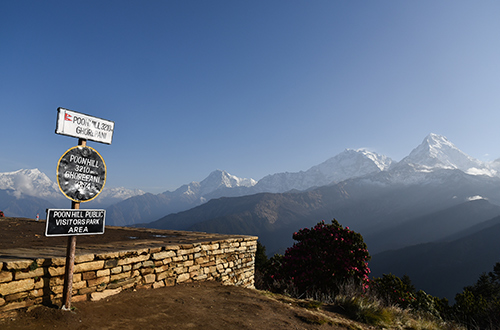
215, 180
120, 193
381, 161
355, 157
110, 196
29, 182
437, 152
348, 164
218, 179
33, 182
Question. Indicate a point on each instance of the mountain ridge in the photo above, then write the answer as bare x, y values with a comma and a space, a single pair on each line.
443, 269
435, 152
350, 163
372, 203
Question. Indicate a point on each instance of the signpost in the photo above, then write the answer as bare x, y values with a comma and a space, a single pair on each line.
81, 175
65, 222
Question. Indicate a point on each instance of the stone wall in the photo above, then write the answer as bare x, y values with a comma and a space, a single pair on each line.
34, 281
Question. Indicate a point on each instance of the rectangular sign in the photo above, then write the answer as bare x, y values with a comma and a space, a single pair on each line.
79, 125
68, 222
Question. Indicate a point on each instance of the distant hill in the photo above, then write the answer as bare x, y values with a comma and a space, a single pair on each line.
15, 204
110, 196
265, 215
370, 205
443, 269
434, 226
146, 207
472, 230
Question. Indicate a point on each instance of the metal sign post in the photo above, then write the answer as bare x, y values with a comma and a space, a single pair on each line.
81, 175
70, 257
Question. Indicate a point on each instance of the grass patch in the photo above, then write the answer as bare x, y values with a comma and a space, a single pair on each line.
310, 304
365, 311
313, 319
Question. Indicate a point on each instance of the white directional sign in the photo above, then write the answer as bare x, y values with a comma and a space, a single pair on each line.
79, 125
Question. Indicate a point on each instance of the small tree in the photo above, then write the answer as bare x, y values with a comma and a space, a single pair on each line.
479, 305
261, 259
324, 258
392, 290
261, 276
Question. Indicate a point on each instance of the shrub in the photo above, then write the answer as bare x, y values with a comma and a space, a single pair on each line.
323, 258
395, 291
478, 306
365, 310
261, 259
392, 290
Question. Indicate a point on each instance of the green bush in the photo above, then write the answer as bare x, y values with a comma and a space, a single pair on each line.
261, 259
478, 306
395, 291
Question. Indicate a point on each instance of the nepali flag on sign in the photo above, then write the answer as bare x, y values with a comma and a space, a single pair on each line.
67, 116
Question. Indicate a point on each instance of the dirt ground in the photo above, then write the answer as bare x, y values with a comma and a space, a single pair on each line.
206, 305
28, 233
201, 305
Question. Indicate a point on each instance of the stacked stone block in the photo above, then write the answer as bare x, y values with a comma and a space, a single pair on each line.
26, 282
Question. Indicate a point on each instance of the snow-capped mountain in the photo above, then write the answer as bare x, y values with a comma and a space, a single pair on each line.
434, 161
494, 166
221, 179
110, 196
149, 207
34, 183
437, 152
216, 180
348, 164
120, 193
30, 182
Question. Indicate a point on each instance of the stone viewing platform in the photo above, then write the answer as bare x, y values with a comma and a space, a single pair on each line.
32, 266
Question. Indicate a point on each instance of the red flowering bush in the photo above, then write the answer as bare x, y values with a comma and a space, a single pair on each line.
324, 258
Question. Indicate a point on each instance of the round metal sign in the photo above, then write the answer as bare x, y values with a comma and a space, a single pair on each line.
81, 173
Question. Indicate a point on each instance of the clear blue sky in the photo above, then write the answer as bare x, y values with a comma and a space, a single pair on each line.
250, 87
